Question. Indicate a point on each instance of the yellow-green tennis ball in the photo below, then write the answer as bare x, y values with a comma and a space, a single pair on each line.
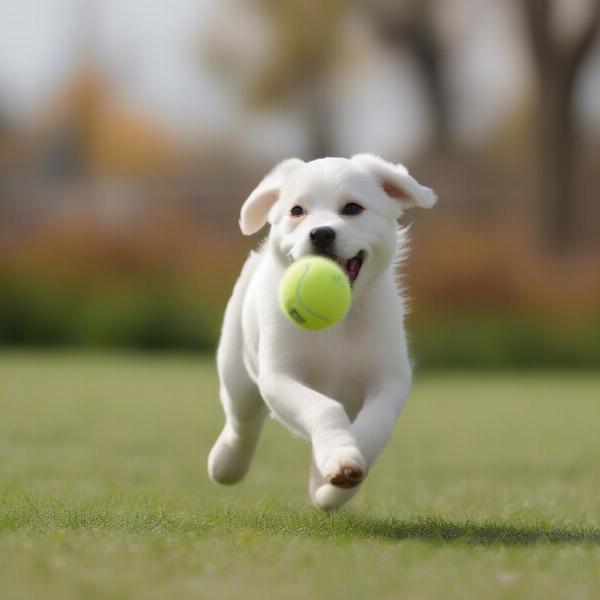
314, 293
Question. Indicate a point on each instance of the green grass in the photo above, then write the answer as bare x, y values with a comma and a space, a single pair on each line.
489, 489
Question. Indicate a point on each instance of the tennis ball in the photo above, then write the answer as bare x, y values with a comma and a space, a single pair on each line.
314, 293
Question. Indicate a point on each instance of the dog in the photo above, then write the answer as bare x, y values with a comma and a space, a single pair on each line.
340, 388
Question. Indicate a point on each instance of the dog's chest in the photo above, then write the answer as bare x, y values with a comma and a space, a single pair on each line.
335, 366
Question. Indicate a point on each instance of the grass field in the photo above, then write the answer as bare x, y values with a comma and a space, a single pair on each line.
489, 489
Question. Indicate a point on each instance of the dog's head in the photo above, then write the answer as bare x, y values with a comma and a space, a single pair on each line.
345, 209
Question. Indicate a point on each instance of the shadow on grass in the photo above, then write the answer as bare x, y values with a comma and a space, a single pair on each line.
470, 532
432, 529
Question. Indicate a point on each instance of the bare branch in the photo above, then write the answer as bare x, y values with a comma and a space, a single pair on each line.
583, 44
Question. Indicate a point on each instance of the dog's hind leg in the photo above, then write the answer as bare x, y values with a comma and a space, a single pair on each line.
244, 409
231, 454
323, 494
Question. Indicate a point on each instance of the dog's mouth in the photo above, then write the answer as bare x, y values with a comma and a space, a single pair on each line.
351, 266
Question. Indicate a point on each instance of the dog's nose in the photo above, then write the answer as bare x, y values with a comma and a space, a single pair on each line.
322, 237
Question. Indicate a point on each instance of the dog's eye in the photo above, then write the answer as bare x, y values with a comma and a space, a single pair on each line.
352, 209
297, 211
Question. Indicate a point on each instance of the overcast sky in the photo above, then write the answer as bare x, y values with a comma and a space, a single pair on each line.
148, 51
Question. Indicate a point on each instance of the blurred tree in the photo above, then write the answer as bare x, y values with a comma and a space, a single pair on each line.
558, 56
304, 54
66, 152
88, 133
409, 25
296, 69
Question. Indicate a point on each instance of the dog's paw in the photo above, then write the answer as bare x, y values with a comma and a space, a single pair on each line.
228, 460
345, 467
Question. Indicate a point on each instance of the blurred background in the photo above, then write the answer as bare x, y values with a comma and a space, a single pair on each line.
131, 133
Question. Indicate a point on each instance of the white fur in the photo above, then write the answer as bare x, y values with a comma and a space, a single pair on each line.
340, 388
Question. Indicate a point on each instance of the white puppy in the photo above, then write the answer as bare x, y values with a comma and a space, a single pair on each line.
341, 388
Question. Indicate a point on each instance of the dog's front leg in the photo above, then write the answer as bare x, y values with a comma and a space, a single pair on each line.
375, 422
371, 429
321, 420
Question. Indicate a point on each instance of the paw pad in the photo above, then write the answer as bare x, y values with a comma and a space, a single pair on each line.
347, 477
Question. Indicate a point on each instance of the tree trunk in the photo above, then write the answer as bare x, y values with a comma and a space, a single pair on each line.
412, 30
558, 63
557, 157
425, 48
317, 116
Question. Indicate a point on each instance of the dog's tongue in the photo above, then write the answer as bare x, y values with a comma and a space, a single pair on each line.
353, 267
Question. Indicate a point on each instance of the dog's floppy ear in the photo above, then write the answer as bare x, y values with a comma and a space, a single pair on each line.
255, 210
396, 181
